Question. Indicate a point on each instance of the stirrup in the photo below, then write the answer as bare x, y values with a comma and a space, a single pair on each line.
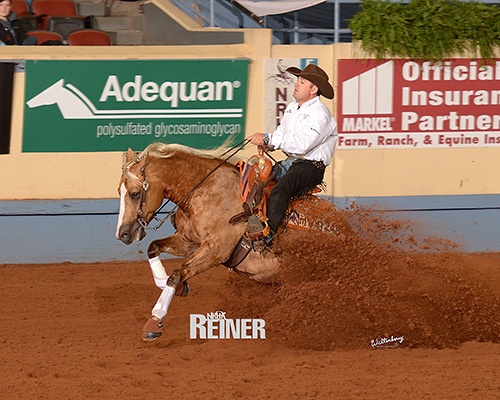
260, 234
256, 229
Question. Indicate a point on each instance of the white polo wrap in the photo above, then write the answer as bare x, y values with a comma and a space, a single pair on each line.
159, 274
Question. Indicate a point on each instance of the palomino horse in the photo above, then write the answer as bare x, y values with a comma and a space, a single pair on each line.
203, 235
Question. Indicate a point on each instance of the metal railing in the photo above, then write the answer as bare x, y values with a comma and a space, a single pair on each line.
296, 31
336, 31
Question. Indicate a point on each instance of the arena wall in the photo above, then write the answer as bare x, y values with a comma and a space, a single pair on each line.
63, 206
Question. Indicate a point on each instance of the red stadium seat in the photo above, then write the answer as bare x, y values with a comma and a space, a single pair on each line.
62, 8
20, 7
43, 36
53, 8
89, 37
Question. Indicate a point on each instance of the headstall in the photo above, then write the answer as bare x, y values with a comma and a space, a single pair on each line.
144, 189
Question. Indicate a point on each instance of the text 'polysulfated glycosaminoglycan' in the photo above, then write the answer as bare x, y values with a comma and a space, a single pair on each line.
215, 325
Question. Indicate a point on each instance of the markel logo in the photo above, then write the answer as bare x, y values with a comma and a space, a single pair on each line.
403, 103
378, 82
74, 104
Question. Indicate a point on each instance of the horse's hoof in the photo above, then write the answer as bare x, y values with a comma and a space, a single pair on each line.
152, 330
151, 336
183, 290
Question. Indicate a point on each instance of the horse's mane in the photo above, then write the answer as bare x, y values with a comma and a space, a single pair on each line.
162, 150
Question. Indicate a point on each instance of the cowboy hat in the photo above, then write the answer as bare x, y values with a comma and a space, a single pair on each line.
317, 76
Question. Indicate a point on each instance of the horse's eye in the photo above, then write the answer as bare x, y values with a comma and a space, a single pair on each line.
135, 195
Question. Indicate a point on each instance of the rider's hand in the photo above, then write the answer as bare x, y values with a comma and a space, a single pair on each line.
256, 139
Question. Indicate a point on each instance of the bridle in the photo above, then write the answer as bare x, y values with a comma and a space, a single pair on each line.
144, 189
145, 186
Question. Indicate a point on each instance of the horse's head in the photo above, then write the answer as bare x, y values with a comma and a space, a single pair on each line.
140, 197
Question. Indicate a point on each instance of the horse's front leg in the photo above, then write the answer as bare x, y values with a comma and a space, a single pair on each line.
201, 260
176, 245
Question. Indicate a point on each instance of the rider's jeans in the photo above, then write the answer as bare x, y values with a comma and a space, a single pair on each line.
302, 175
284, 166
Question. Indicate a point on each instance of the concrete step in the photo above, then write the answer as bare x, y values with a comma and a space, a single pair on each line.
122, 20
118, 23
126, 37
97, 8
125, 8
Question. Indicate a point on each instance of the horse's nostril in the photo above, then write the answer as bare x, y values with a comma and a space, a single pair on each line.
125, 236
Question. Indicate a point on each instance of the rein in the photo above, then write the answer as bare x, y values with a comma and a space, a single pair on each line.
145, 186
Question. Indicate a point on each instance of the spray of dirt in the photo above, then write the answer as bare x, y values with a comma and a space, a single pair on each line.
343, 292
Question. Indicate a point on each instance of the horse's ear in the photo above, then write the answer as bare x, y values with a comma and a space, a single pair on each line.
130, 154
142, 162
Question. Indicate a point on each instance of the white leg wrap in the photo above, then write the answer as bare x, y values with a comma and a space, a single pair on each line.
161, 307
159, 274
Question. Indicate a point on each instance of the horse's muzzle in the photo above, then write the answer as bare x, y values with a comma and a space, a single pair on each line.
127, 234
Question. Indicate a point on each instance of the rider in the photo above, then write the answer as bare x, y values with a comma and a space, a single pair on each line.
307, 134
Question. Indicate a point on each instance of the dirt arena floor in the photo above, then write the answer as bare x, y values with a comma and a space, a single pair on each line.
73, 331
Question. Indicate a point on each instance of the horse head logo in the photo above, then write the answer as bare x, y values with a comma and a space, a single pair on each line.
70, 104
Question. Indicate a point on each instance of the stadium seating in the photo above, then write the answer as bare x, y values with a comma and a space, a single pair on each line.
89, 37
65, 25
20, 7
54, 7
44, 36
28, 21
47, 9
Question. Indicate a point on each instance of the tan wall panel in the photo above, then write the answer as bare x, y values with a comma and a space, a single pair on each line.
96, 175
355, 172
54, 175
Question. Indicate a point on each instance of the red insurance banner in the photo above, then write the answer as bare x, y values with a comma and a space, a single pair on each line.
407, 104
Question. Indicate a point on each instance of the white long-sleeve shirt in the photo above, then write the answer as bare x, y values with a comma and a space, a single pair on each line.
308, 132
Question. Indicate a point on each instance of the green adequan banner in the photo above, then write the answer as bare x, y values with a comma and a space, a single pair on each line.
82, 106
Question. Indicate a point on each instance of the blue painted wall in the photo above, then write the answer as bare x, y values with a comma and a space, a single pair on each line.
51, 231
470, 221
67, 230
